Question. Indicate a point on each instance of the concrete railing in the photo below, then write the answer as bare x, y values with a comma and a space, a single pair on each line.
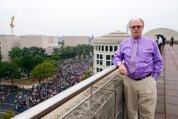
105, 99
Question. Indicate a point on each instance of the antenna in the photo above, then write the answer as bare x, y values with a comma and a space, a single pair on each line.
12, 24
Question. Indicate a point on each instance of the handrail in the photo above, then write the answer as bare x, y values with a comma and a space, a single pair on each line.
49, 105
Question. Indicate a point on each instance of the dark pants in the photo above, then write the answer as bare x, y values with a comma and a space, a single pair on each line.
160, 47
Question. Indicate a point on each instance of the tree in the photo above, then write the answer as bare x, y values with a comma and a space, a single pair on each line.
67, 52
79, 51
27, 65
0, 56
56, 53
86, 74
15, 52
44, 70
34, 51
9, 70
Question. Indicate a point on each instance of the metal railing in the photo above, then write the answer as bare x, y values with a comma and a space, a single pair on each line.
51, 104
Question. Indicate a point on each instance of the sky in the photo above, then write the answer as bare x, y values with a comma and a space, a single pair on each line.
84, 17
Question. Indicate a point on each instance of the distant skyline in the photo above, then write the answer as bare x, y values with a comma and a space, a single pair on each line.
84, 17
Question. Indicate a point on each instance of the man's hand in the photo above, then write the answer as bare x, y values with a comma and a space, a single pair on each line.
122, 70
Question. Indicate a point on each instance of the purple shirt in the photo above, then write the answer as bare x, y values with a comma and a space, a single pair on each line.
148, 58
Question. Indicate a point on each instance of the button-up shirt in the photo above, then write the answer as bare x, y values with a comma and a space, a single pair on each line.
148, 58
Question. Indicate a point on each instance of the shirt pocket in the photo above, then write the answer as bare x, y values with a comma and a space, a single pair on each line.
146, 55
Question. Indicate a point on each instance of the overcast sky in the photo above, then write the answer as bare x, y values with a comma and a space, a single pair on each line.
84, 17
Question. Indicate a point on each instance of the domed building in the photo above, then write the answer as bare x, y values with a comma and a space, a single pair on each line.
168, 33
104, 48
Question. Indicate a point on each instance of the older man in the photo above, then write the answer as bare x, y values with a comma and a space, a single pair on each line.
140, 62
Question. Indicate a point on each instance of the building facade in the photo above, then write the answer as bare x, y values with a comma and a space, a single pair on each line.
7, 42
75, 40
104, 48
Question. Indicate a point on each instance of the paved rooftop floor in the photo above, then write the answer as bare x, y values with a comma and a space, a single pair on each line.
167, 85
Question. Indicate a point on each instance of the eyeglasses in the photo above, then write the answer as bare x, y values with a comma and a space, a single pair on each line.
134, 27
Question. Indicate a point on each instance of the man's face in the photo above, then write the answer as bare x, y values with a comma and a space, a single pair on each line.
136, 28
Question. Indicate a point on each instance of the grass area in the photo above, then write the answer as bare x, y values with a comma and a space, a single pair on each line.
22, 81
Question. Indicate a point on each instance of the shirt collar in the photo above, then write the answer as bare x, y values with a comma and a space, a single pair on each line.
138, 40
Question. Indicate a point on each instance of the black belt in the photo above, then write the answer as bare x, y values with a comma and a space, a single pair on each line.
142, 77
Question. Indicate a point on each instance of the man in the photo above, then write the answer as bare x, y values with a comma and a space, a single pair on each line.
172, 41
140, 72
160, 44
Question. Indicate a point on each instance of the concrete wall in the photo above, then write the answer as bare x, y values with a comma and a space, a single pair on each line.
106, 103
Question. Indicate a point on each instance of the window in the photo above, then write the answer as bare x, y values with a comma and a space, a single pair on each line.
115, 48
97, 56
108, 60
99, 69
108, 63
102, 47
101, 56
110, 48
108, 57
97, 48
101, 62
99, 59
106, 48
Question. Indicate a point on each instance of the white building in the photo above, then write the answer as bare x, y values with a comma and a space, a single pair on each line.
104, 48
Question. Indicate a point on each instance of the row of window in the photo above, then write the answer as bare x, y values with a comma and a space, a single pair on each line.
99, 59
100, 62
99, 69
106, 48
100, 56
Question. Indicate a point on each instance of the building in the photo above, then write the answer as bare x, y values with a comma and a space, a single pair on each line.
104, 48
45, 42
7, 42
168, 33
75, 40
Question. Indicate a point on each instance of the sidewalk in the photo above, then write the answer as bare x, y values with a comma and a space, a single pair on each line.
167, 104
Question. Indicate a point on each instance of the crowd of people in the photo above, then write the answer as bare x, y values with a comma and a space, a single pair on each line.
68, 76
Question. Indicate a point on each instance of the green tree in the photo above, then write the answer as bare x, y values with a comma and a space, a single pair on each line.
79, 50
0, 56
86, 74
34, 51
9, 70
56, 53
44, 70
27, 65
15, 52
67, 52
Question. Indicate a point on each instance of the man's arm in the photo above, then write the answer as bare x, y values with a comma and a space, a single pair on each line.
157, 62
117, 60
